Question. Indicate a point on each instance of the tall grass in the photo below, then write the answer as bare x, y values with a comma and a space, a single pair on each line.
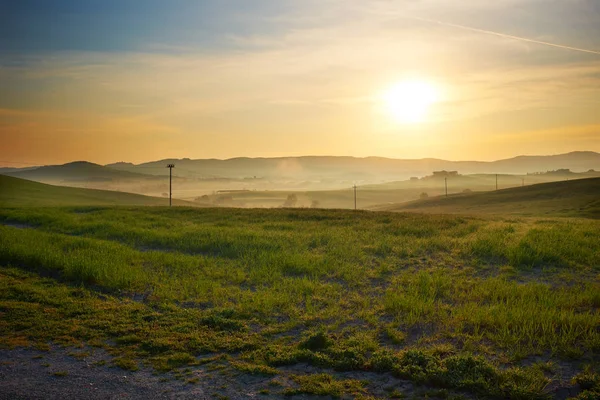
371, 283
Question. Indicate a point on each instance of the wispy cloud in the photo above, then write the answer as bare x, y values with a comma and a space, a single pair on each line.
312, 70
505, 35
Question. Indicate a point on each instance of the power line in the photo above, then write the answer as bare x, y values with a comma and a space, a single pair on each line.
131, 169
446, 185
170, 166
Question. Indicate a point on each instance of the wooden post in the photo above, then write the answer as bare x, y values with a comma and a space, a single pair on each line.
170, 166
446, 185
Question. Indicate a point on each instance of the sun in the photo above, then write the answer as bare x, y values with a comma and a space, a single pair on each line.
409, 101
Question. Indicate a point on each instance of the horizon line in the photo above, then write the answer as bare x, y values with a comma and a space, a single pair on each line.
34, 165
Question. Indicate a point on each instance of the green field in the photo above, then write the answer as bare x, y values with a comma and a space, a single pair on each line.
463, 307
390, 194
21, 192
576, 198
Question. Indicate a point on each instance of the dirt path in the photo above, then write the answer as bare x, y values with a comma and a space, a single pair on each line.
62, 373
55, 374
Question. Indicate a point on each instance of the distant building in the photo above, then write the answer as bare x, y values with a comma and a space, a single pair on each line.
560, 171
445, 173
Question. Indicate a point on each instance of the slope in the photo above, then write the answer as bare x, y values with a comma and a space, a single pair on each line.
77, 171
369, 169
574, 198
20, 192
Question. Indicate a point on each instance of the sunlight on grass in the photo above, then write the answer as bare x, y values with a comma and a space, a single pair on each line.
445, 301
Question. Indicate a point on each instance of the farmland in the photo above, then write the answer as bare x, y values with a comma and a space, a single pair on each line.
454, 306
578, 198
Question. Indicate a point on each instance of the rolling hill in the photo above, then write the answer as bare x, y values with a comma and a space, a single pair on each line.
354, 169
76, 172
20, 192
575, 198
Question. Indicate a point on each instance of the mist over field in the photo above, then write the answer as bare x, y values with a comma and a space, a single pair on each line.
324, 182
300, 199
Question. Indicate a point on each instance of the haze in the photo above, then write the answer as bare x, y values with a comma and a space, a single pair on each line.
139, 81
252, 199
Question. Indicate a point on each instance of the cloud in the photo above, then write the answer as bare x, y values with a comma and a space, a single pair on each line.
312, 72
505, 35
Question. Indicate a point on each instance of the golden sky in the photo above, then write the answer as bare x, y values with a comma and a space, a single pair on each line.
140, 81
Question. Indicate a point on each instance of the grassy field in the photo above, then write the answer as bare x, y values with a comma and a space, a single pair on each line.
575, 198
463, 307
382, 195
21, 192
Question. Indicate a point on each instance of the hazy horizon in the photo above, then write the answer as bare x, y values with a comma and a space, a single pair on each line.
18, 164
129, 81
363, 199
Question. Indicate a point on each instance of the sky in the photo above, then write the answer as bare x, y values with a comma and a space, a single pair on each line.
133, 80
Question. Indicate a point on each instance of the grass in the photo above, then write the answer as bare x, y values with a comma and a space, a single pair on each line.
459, 304
574, 198
33, 194
324, 385
379, 195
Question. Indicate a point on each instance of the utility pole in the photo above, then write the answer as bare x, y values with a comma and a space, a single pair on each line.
522, 181
496, 181
446, 185
170, 166
354, 195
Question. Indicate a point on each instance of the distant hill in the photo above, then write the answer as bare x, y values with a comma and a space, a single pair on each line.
574, 198
579, 161
7, 170
373, 169
76, 172
21, 192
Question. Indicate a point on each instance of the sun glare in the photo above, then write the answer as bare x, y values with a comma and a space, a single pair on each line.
409, 101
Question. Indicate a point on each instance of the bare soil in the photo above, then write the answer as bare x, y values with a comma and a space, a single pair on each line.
58, 374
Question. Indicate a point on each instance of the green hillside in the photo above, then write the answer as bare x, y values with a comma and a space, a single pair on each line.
21, 192
575, 198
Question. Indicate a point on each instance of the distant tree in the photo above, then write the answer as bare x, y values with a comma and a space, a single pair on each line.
165, 194
291, 200
315, 204
423, 195
204, 198
467, 191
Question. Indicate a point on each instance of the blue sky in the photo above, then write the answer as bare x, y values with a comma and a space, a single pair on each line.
280, 77
30, 25
128, 25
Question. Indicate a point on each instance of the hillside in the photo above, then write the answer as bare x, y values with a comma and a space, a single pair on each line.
567, 198
21, 192
76, 172
368, 169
